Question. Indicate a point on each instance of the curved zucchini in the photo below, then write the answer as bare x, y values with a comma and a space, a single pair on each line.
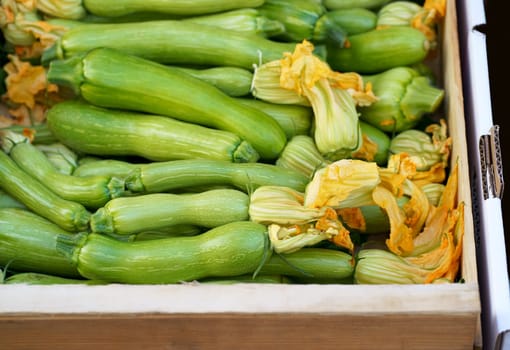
150, 87
128, 215
379, 49
69, 215
167, 176
114, 8
27, 243
102, 131
91, 191
229, 250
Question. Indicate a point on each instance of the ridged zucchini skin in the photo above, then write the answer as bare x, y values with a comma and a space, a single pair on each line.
32, 193
179, 174
348, 4
208, 209
108, 132
92, 191
27, 243
379, 49
146, 86
115, 8
229, 250
171, 42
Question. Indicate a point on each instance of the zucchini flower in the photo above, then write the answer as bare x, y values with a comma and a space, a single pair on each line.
30, 33
28, 93
400, 166
301, 155
400, 241
404, 97
281, 205
69, 9
332, 95
378, 266
345, 183
292, 225
423, 149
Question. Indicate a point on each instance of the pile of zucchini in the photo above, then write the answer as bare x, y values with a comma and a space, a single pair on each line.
142, 142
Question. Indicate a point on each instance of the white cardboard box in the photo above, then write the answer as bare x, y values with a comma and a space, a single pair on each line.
490, 240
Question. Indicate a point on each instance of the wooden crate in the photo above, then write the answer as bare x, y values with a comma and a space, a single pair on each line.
251, 316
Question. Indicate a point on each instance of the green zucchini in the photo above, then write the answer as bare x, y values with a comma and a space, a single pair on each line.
103, 131
108, 167
312, 263
92, 191
171, 42
233, 81
294, 119
146, 86
348, 4
27, 243
379, 49
277, 279
40, 199
229, 250
114, 8
168, 176
34, 278
352, 20
128, 215
244, 20
7, 201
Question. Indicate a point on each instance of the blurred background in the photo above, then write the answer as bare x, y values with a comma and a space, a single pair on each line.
498, 31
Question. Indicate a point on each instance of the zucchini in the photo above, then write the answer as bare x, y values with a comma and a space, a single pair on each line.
128, 215
168, 176
294, 119
146, 86
32, 193
108, 167
107, 132
229, 250
34, 278
312, 263
233, 81
352, 20
115, 8
171, 42
348, 4
244, 20
7, 201
27, 243
379, 49
92, 191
